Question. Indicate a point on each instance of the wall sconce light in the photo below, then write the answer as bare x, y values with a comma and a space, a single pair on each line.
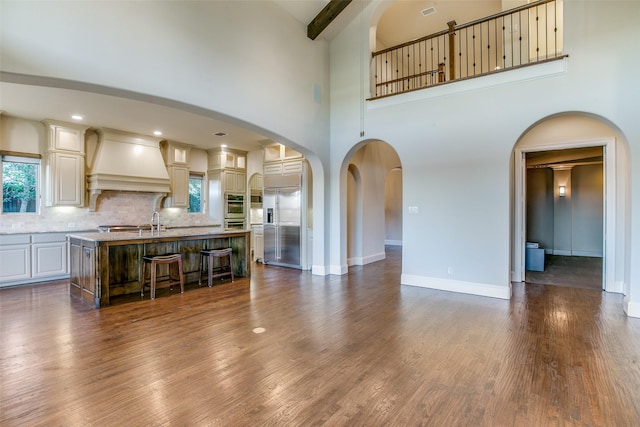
562, 190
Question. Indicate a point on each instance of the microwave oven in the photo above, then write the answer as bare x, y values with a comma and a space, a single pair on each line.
256, 199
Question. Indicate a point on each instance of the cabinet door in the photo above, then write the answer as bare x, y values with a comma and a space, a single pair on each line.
258, 250
229, 182
88, 273
66, 180
49, 259
241, 182
180, 187
15, 263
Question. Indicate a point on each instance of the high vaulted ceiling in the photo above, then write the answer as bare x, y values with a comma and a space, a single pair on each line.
21, 98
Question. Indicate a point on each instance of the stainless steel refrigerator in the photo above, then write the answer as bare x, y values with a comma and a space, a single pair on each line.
282, 218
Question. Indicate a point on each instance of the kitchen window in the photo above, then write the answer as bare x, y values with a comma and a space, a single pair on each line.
196, 202
20, 184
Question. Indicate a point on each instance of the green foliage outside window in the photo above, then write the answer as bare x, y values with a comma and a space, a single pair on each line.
19, 186
195, 195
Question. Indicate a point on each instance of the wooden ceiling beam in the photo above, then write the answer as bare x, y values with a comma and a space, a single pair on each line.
325, 17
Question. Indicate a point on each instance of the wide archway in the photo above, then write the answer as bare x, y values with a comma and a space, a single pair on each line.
564, 135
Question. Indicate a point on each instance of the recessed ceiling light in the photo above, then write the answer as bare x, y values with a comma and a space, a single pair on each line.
77, 117
220, 134
223, 145
157, 133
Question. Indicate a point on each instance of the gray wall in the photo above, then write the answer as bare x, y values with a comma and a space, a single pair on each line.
570, 225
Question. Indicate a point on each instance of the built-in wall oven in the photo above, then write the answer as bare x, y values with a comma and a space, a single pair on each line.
234, 206
234, 223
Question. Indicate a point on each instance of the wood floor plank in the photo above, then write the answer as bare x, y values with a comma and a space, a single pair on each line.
352, 350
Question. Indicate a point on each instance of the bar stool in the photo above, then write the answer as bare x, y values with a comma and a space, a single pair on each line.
154, 260
220, 271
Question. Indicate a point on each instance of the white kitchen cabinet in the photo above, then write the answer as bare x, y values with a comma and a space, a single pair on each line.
179, 197
27, 258
15, 258
279, 153
258, 243
225, 158
65, 164
281, 160
48, 255
65, 179
176, 158
234, 182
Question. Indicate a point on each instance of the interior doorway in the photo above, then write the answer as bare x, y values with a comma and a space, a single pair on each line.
373, 215
565, 217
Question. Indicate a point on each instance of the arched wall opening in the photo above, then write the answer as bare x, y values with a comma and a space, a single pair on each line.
576, 130
369, 185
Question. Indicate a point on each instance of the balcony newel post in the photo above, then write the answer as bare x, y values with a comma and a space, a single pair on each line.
452, 50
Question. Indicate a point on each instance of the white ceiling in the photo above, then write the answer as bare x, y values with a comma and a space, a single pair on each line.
40, 102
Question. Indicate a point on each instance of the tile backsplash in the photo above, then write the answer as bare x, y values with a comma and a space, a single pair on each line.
113, 207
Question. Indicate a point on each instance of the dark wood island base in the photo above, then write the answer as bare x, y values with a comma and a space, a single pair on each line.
104, 265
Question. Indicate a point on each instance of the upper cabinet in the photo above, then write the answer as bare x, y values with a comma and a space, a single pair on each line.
65, 163
176, 157
232, 165
282, 160
224, 158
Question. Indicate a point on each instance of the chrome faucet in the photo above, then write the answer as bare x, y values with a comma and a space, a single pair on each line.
154, 216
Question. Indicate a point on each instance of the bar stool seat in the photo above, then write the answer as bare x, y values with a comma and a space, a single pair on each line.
221, 270
154, 260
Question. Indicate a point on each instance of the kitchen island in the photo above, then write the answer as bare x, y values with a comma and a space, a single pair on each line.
104, 265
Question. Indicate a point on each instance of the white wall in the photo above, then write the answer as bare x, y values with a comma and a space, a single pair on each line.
455, 144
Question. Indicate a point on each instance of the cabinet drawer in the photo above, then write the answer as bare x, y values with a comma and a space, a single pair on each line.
292, 167
48, 238
15, 239
273, 169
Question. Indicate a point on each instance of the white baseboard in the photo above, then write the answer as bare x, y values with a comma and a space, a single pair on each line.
373, 258
319, 270
366, 260
354, 261
338, 270
473, 288
561, 252
585, 253
393, 242
632, 308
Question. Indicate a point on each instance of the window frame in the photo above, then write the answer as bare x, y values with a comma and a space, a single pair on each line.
200, 177
33, 159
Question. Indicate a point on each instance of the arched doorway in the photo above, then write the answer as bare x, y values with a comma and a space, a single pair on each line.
571, 131
372, 193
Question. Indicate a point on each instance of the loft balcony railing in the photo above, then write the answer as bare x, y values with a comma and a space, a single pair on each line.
515, 38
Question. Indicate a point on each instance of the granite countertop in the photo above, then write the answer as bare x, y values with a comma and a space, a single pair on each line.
146, 235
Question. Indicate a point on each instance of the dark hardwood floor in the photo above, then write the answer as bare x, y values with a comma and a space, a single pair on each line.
572, 271
352, 350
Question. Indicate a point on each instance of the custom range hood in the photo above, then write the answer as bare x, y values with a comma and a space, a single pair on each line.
122, 161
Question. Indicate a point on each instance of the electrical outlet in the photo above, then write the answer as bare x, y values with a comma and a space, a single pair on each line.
450, 271
71, 225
